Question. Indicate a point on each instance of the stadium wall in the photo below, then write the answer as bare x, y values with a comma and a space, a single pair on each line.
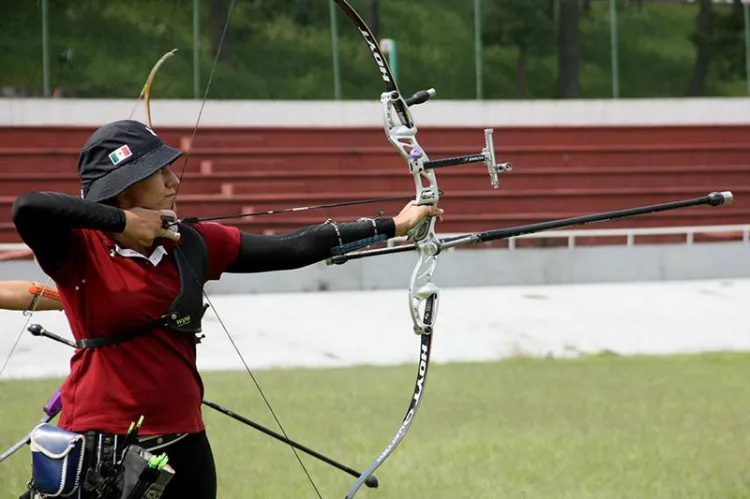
490, 267
657, 112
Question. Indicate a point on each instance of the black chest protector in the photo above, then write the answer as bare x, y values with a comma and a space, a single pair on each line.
186, 312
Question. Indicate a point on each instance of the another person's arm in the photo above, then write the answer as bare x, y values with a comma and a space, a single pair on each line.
27, 295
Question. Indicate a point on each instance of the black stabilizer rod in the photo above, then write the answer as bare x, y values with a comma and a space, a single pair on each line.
712, 199
372, 481
420, 97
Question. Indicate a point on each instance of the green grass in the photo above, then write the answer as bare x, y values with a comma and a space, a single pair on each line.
599, 427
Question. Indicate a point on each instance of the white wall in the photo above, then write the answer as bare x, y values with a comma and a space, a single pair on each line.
708, 111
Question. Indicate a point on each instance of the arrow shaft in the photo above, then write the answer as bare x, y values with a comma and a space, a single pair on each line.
192, 220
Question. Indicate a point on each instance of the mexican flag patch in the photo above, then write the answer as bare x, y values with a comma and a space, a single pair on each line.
120, 154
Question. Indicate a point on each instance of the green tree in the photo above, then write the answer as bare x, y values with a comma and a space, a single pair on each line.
702, 39
528, 25
728, 43
569, 50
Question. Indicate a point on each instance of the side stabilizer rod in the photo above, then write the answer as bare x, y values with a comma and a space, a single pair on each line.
712, 199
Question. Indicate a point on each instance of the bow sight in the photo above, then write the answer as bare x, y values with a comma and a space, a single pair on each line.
487, 156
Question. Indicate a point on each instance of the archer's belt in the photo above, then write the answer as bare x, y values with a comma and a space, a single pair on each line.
106, 446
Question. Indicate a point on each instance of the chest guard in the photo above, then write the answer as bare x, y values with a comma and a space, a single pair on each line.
186, 312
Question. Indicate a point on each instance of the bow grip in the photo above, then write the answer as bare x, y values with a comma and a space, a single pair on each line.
419, 231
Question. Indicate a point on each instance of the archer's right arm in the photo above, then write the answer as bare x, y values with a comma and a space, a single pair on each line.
46, 221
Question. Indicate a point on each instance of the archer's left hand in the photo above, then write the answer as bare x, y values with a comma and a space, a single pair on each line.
412, 214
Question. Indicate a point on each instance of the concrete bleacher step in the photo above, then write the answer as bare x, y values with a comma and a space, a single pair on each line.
56, 161
475, 203
469, 223
14, 184
346, 159
468, 136
70, 136
62, 160
373, 136
477, 178
363, 182
366, 180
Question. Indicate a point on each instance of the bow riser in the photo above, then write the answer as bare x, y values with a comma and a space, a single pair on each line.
422, 291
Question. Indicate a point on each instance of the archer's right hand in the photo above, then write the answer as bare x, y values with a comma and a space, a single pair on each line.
144, 226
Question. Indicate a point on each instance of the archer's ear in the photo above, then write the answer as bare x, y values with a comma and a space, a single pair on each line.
123, 200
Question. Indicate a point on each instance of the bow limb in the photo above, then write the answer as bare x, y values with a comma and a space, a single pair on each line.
146, 90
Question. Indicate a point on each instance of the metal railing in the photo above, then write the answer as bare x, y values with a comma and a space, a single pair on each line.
19, 250
630, 234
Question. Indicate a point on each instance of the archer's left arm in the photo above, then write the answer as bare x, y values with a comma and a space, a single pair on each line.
306, 246
235, 251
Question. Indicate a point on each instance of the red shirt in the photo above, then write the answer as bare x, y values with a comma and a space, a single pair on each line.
153, 375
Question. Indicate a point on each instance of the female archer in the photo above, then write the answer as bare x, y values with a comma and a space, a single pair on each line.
131, 277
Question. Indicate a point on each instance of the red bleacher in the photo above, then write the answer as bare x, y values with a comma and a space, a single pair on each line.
557, 172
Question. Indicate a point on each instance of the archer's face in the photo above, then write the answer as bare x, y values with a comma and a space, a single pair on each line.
156, 192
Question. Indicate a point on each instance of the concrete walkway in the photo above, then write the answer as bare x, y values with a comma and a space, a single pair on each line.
474, 324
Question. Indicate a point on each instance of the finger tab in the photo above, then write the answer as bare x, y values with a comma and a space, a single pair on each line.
167, 221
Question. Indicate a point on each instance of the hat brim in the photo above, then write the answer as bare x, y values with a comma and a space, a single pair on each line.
131, 173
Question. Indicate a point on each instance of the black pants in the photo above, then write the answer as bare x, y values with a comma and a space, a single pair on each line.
195, 470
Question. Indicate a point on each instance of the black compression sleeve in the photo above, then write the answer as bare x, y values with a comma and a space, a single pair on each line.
260, 253
44, 220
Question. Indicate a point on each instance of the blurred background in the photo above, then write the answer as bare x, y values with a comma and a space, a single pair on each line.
599, 361
305, 49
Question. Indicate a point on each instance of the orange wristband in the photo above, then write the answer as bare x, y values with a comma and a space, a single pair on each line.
38, 290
